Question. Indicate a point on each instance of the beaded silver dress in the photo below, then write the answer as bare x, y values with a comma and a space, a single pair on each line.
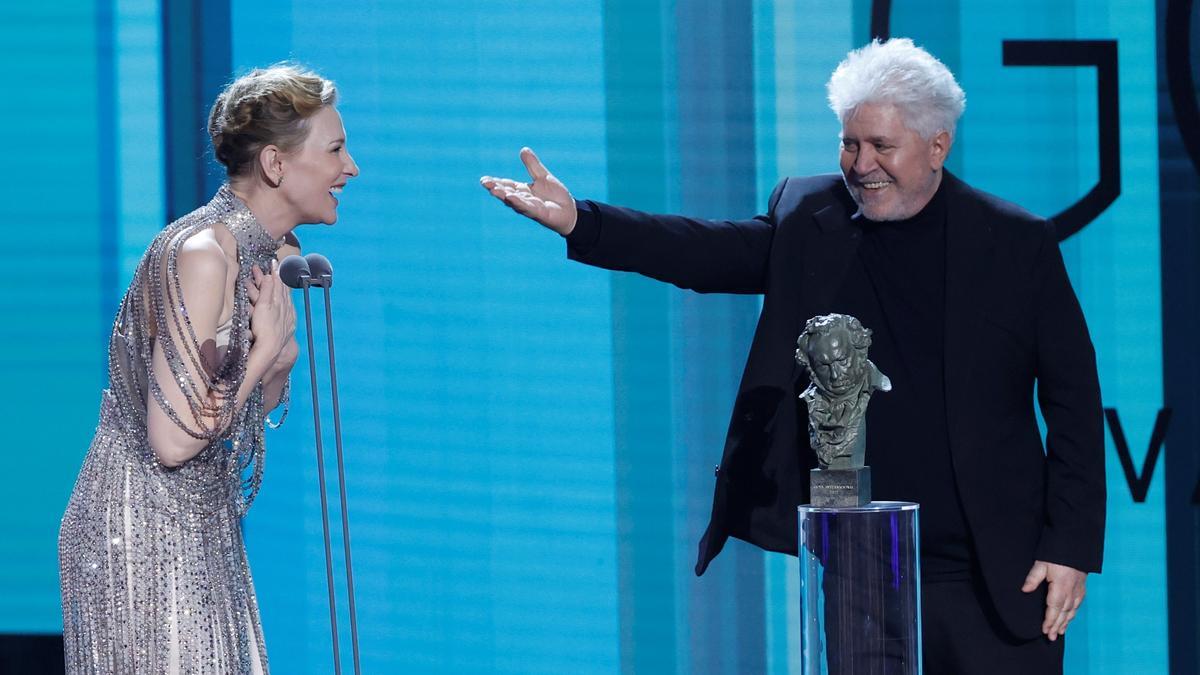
153, 567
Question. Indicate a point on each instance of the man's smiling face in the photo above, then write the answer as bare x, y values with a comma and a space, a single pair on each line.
891, 171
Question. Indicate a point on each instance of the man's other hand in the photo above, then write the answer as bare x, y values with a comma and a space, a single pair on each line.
1067, 588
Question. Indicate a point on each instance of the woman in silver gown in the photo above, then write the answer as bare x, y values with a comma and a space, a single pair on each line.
153, 567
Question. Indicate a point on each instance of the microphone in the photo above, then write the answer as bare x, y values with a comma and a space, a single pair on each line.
294, 270
320, 269
314, 269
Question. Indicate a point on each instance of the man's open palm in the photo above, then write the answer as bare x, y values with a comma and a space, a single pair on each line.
543, 198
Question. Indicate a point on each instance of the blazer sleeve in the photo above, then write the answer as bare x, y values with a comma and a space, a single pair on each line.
1069, 396
709, 256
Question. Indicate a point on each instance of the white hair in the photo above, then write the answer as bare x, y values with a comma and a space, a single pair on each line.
902, 74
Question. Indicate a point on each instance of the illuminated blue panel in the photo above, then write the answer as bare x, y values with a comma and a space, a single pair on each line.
87, 205
139, 133
53, 343
475, 361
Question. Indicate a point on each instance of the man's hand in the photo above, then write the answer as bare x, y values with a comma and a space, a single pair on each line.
1067, 588
543, 199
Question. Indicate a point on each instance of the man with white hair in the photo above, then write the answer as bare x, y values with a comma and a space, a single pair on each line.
970, 305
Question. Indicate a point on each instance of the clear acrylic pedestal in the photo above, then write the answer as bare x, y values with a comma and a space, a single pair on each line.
860, 590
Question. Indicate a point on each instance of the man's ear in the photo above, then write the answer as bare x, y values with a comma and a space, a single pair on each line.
939, 149
270, 163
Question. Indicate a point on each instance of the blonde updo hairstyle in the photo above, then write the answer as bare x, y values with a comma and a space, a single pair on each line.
267, 106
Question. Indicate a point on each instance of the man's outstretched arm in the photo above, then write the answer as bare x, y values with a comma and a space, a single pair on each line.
693, 253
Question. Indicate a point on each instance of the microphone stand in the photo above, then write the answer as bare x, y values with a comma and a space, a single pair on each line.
325, 281
304, 279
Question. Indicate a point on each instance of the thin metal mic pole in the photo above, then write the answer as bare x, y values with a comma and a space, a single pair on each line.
337, 436
312, 371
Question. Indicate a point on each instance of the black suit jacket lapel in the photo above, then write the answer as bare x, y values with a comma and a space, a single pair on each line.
969, 258
827, 256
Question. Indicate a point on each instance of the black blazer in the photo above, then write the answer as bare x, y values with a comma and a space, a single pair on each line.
1012, 319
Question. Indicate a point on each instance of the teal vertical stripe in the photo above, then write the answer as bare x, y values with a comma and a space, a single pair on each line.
638, 98
138, 152
724, 622
197, 61
106, 171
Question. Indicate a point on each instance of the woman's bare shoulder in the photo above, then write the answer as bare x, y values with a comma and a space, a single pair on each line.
221, 235
202, 253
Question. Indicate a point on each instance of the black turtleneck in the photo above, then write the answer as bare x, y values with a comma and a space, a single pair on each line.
896, 286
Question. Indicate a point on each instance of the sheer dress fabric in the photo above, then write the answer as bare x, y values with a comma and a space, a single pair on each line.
152, 563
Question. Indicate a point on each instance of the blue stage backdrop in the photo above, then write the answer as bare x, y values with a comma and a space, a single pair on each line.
529, 442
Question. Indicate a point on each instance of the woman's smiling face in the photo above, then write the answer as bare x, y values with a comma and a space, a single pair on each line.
317, 171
